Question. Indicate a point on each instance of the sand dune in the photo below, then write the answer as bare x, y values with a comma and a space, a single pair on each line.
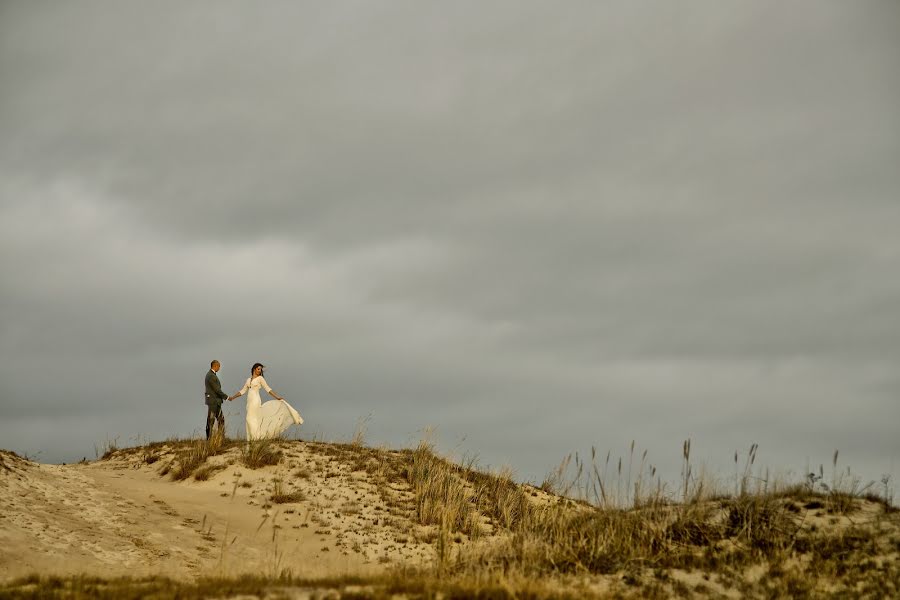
331, 514
120, 517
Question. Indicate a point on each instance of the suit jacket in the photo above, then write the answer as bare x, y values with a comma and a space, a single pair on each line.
214, 393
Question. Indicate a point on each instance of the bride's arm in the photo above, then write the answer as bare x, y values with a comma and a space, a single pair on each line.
272, 393
242, 390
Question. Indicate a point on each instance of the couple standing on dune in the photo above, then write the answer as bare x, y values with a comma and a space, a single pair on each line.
263, 420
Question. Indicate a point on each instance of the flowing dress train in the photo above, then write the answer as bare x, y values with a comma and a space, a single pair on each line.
269, 419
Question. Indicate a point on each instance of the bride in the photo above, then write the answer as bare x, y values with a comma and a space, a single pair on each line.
269, 419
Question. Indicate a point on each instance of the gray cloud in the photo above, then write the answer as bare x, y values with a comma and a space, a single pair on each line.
536, 227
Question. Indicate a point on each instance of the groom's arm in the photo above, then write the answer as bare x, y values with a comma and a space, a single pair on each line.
217, 387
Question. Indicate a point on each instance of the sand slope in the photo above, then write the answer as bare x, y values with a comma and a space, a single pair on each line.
331, 510
120, 517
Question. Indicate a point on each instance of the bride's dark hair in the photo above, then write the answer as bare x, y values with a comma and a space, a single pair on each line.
253, 368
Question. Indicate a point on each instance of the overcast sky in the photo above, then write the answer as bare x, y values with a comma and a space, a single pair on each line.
537, 227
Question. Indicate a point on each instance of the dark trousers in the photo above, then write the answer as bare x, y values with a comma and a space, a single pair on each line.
212, 415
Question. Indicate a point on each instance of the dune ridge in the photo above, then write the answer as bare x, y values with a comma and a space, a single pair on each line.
301, 519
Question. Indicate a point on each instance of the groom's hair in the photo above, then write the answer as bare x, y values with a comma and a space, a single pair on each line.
213, 363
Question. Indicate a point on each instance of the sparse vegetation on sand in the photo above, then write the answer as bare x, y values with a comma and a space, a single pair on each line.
191, 455
260, 453
282, 496
387, 587
592, 529
765, 540
189, 459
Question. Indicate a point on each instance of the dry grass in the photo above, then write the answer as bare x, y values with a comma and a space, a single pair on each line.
385, 466
405, 584
634, 523
617, 523
194, 454
9, 461
106, 449
442, 496
281, 496
206, 472
776, 581
359, 434
260, 453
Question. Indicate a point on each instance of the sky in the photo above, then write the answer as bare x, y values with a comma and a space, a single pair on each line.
530, 228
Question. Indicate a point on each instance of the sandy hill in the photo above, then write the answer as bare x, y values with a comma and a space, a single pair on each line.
281, 513
317, 512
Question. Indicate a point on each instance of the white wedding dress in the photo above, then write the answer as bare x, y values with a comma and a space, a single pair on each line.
270, 419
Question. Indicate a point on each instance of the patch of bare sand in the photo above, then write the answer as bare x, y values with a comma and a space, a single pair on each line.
120, 517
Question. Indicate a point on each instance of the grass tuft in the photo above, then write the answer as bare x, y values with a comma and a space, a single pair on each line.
260, 453
190, 458
281, 496
206, 472
618, 525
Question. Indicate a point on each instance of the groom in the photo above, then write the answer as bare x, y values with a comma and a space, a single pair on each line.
214, 397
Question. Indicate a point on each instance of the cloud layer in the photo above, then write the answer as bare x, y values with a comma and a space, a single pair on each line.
536, 228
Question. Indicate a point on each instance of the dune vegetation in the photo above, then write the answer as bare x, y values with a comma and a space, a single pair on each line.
590, 529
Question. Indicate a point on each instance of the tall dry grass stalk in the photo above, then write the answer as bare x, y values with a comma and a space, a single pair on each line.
622, 517
359, 434
461, 498
106, 449
442, 497
845, 486
628, 482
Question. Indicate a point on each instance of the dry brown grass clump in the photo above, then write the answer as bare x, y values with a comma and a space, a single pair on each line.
187, 461
207, 471
281, 496
724, 539
460, 498
442, 496
763, 525
260, 453
411, 585
628, 532
190, 458
10, 462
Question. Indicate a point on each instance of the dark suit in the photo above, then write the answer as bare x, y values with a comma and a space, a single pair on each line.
214, 398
